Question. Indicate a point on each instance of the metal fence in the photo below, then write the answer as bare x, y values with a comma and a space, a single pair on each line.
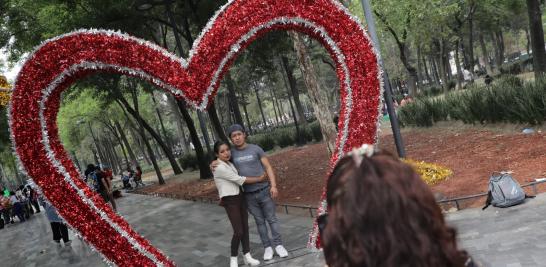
312, 211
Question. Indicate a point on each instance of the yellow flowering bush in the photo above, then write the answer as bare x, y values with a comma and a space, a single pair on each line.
5, 94
430, 173
4, 98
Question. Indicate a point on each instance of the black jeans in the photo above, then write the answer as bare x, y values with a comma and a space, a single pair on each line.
238, 217
59, 231
19, 211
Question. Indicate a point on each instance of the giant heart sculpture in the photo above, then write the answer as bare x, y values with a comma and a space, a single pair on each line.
60, 61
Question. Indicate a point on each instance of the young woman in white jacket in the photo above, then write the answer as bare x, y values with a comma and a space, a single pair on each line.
228, 182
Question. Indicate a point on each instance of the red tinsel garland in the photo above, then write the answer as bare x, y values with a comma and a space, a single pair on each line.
62, 60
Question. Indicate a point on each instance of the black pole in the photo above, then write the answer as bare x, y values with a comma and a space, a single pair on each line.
387, 95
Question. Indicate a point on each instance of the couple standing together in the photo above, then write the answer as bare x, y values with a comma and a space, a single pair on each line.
240, 175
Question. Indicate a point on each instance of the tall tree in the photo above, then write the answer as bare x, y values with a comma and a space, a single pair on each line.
537, 37
320, 104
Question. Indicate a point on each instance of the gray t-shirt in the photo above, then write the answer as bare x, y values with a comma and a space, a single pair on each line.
247, 161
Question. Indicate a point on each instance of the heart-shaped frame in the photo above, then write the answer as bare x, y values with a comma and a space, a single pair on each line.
58, 62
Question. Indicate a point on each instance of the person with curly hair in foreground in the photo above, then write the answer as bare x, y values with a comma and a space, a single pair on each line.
380, 213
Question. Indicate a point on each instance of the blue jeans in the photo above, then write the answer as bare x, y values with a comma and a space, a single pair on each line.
262, 207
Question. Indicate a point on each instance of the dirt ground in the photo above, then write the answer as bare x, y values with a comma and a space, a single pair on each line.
472, 152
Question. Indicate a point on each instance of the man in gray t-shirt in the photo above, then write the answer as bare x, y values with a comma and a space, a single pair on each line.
248, 163
250, 160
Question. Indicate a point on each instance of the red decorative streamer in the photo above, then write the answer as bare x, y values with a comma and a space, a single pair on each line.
62, 60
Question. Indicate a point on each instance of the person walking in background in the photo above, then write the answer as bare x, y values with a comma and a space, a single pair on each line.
58, 227
6, 209
109, 177
17, 206
33, 198
126, 178
138, 177
228, 183
380, 213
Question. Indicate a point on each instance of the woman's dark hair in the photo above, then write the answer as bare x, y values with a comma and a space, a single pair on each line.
138, 168
381, 213
218, 144
90, 168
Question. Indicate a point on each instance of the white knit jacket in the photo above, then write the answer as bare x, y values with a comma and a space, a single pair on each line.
227, 179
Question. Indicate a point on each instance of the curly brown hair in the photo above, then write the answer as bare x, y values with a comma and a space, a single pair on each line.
382, 214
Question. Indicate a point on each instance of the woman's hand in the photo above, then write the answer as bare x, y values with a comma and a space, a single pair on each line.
213, 165
263, 178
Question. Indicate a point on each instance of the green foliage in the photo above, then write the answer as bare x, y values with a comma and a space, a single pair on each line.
285, 137
509, 80
432, 90
265, 141
189, 161
316, 131
507, 100
306, 134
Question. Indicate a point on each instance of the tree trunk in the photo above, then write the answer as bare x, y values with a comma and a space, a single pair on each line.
427, 75
443, 64
420, 75
274, 103
179, 120
95, 157
204, 169
471, 44
204, 131
486, 60
140, 122
256, 91
138, 140
320, 104
537, 37
247, 119
97, 143
234, 103
119, 141
528, 45
114, 158
153, 133
167, 139
435, 72
449, 71
126, 142
460, 76
294, 90
498, 42
213, 116
157, 150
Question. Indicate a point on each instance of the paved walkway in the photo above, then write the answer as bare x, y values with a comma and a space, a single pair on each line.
196, 234
192, 234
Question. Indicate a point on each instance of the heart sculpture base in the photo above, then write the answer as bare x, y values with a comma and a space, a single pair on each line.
58, 62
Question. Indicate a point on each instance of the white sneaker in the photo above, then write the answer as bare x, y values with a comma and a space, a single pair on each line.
268, 253
247, 258
281, 251
233, 262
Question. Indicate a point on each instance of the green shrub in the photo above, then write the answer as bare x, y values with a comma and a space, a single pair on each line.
306, 134
431, 91
509, 80
316, 131
451, 84
265, 141
509, 99
512, 68
285, 137
189, 160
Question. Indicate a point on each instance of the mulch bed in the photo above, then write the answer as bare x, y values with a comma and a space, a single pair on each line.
472, 154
